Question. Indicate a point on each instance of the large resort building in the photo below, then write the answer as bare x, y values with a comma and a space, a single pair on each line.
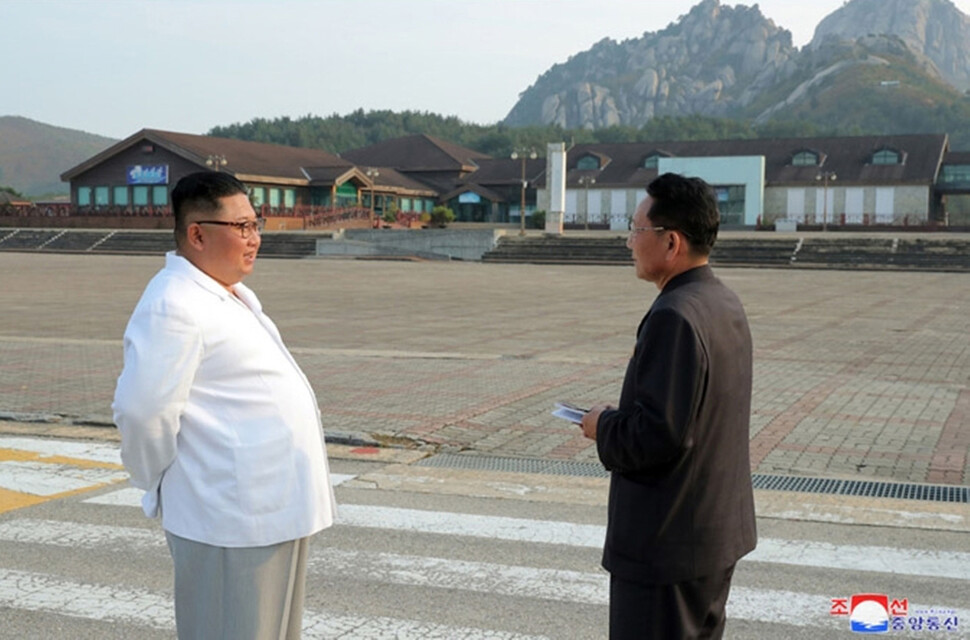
864, 181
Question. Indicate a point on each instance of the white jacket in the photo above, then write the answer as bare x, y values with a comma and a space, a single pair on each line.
218, 423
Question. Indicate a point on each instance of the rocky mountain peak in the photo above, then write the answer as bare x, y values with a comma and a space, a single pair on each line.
713, 60
936, 29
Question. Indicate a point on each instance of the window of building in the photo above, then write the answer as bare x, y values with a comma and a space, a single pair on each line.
139, 196
257, 195
730, 203
653, 160
159, 196
885, 156
804, 159
347, 195
274, 197
84, 196
405, 204
289, 198
949, 174
587, 163
121, 196
101, 196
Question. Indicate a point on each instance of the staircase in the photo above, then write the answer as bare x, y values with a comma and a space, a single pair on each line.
274, 244
559, 250
901, 253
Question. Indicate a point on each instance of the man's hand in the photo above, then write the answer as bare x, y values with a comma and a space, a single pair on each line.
591, 419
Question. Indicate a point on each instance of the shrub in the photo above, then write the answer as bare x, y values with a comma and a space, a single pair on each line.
441, 216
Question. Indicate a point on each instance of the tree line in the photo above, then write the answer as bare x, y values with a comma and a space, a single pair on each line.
339, 133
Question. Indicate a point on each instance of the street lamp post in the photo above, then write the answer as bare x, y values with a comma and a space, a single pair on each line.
586, 181
532, 155
216, 162
825, 176
372, 173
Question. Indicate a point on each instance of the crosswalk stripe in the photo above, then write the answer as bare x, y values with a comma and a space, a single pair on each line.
127, 497
915, 562
757, 605
62, 533
131, 497
39, 592
45, 479
45, 593
478, 526
481, 577
93, 451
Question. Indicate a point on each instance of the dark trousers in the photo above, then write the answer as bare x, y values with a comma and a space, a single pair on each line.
681, 611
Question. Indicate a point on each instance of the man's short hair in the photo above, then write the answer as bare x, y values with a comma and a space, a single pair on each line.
687, 205
200, 193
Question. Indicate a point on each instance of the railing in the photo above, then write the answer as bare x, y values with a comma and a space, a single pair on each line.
326, 216
147, 211
314, 215
859, 222
54, 210
67, 210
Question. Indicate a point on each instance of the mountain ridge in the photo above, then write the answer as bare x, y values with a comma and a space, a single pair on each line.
33, 154
718, 61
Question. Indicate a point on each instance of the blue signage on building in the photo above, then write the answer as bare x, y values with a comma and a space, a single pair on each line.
148, 174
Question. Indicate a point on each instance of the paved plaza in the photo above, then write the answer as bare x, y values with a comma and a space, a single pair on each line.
857, 374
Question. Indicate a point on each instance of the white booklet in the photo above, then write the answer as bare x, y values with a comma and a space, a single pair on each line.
569, 412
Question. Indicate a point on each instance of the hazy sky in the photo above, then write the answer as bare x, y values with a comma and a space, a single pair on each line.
113, 67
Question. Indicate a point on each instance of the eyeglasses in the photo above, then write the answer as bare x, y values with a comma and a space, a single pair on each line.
245, 228
636, 229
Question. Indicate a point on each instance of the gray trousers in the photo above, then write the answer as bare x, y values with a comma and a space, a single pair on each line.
250, 593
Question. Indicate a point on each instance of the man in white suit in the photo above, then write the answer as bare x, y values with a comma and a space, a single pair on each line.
220, 427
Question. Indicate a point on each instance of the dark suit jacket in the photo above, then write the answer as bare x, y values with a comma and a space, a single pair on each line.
681, 504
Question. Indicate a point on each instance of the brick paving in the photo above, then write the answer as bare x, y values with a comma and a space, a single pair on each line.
857, 374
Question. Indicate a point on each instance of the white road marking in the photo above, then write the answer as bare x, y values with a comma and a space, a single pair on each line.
337, 479
127, 497
131, 497
40, 592
481, 577
61, 533
478, 526
93, 451
913, 562
47, 479
889, 560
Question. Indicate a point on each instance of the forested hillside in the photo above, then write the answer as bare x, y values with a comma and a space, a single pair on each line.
359, 129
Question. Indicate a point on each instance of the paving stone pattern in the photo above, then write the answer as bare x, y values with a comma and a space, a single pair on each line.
857, 374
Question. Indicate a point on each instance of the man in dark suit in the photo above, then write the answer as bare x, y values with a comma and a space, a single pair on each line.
681, 507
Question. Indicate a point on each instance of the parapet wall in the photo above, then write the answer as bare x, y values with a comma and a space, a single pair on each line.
455, 244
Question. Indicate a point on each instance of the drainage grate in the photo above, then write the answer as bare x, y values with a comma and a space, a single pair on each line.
864, 488
519, 465
799, 484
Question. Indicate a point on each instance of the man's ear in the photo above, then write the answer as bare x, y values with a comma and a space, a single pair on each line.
194, 236
675, 245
